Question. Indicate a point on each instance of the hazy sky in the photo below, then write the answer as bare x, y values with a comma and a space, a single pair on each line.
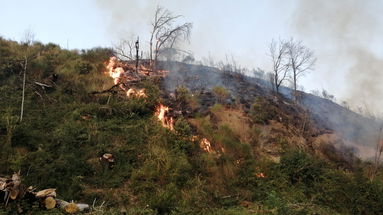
346, 35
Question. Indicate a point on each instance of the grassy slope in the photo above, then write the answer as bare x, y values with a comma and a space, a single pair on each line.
157, 171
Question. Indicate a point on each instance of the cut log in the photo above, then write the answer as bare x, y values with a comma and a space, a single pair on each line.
83, 207
3, 184
49, 203
14, 193
108, 159
30, 189
61, 203
72, 208
68, 207
14, 186
46, 193
16, 179
13, 189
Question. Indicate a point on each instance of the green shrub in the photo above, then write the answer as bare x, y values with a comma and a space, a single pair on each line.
216, 108
262, 111
83, 67
276, 202
221, 93
165, 200
301, 168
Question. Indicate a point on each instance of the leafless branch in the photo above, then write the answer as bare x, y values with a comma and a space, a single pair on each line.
301, 60
166, 33
278, 53
124, 50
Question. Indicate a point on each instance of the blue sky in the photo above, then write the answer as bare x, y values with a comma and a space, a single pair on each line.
242, 28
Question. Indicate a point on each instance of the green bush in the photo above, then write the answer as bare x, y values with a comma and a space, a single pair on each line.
157, 171
301, 168
221, 93
262, 111
183, 98
83, 67
165, 200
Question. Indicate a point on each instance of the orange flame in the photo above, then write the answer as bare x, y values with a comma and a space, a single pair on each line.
260, 175
161, 114
136, 93
205, 145
118, 74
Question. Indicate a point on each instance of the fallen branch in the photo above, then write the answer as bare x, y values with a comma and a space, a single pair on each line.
110, 90
43, 85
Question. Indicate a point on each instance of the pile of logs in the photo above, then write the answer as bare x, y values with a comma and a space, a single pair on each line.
11, 187
12, 191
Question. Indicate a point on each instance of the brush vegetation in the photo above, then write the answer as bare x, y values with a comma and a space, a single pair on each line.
66, 128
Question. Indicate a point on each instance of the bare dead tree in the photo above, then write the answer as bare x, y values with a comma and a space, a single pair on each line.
301, 60
278, 54
27, 42
124, 49
137, 46
166, 33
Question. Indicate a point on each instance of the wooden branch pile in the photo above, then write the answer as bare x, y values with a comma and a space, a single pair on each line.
12, 191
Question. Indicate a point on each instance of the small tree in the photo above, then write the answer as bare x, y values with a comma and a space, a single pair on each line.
278, 54
128, 50
327, 95
301, 60
378, 154
165, 33
124, 49
221, 93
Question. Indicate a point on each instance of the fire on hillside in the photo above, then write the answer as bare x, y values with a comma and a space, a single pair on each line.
115, 69
123, 73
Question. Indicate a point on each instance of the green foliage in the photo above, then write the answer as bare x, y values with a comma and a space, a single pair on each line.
96, 55
156, 171
83, 67
182, 127
301, 168
183, 97
262, 111
274, 201
350, 194
165, 199
216, 108
185, 100
221, 93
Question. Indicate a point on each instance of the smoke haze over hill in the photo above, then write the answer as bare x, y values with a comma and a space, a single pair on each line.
343, 34
348, 31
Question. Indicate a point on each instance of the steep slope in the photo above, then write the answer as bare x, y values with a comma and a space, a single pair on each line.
143, 144
357, 131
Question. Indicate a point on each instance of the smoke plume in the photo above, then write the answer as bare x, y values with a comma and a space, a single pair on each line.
349, 29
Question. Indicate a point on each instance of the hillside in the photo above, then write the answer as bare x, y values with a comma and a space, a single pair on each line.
358, 132
185, 139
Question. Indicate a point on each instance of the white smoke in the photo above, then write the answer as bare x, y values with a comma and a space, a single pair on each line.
347, 30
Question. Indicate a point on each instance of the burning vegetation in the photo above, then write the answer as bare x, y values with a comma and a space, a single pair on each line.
224, 146
232, 144
122, 78
162, 115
